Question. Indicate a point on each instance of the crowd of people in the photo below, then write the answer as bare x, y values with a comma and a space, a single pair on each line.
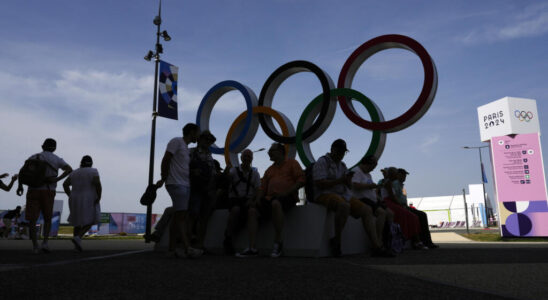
197, 186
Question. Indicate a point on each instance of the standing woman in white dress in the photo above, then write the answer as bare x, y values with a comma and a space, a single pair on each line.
83, 199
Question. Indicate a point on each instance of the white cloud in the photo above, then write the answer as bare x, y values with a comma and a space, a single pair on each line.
428, 143
529, 22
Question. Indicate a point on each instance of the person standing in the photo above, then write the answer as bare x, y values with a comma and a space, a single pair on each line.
202, 189
40, 198
175, 175
84, 199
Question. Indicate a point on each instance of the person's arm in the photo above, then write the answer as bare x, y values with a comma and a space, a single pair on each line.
166, 161
98, 188
66, 187
20, 189
363, 186
66, 171
8, 187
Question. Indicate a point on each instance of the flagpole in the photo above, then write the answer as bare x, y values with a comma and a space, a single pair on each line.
482, 183
158, 50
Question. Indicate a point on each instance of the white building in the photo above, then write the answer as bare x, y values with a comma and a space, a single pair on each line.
450, 209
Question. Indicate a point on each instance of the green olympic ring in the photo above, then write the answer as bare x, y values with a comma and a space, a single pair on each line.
378, 139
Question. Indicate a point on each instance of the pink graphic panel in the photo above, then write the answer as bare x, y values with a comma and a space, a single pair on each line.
518, 168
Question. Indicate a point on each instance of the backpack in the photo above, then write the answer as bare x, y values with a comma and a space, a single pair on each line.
393, 237
309, 183
33, 172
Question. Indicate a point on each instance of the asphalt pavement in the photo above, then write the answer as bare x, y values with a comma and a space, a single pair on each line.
129, 269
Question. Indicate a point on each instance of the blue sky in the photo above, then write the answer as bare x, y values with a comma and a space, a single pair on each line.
74, 71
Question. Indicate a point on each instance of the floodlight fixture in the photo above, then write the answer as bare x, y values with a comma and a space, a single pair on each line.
149, 55
166, 36
157, 21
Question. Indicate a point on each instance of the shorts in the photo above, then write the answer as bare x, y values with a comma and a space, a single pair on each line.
180, 196
374, 205
331, 201
265, 206
39, 201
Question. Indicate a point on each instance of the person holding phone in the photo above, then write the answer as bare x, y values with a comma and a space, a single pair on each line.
333, 182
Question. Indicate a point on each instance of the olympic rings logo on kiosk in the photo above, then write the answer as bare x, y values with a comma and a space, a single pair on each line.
319, 113
523, 115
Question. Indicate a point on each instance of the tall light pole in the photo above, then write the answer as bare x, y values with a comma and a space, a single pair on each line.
482, 182
156, 55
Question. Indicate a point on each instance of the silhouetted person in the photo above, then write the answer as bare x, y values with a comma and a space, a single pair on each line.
392, 194
7, 219
202, 189
332, 189
84, 199
40, 199
423, 218
175, 175
7, 188
365, 189
244, 184
278, 194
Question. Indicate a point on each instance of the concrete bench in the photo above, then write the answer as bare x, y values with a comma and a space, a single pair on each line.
307, 231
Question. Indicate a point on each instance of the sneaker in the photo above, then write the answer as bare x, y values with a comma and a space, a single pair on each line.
77, 243
178, 253
248, 252
277, 250
335, 247
36, 250
45, 248
227, 245
432, 246
419, 246
193, 252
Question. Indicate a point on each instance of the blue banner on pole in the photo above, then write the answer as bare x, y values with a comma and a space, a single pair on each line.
483, 176
167, 91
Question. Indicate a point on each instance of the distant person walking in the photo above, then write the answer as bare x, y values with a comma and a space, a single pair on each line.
7, 219
40, 196
84, 199
5, 187
175, 174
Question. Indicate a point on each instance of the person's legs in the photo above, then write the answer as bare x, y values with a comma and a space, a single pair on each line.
277, 220
32, 213
360, 210
76, 231
231, 222
380, 215
180, 196
253, 226
425, 236
47, 211
84, 229
341, 215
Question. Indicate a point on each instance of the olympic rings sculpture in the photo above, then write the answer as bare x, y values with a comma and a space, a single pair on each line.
523, 115
319, 113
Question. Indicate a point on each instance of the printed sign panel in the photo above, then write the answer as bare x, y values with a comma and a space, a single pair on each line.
520, 185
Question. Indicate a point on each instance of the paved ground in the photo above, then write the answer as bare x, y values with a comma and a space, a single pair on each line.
123, 269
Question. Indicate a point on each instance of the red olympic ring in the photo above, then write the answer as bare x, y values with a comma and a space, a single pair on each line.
423, 102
